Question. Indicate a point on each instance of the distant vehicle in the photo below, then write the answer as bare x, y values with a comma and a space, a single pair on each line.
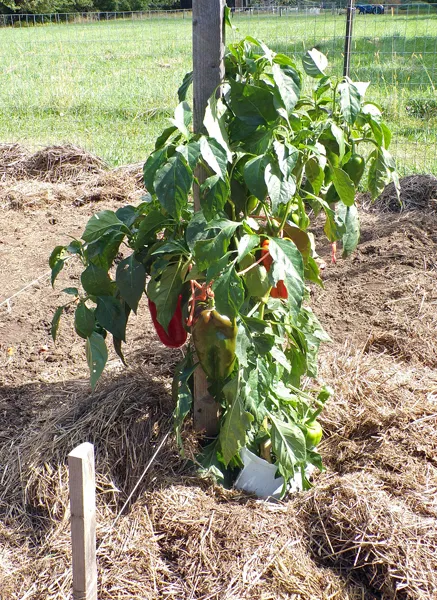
370, 9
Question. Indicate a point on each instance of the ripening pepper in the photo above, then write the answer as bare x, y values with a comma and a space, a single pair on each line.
176, 335
355, 168
214, 336
280, 291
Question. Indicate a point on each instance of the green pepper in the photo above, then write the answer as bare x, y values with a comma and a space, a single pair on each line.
355, 168
214, 337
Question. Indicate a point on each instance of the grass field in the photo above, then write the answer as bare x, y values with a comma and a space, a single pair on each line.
110, 86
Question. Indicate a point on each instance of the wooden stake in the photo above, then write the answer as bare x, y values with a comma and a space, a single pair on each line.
208, 72
83, 521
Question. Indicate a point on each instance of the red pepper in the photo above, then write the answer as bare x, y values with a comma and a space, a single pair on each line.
280, 291
176, 336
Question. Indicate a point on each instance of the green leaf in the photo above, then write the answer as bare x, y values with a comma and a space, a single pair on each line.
351, 237
215, 123
288, 266
116, 342
96, 281
288, 444
214, 194
287, 157
254, 176
228, 293
182, 394
162, 139
235, 424
155, 161
56, 261
190, 152
209, 461
214, 156
103, 251
131, 280
379, 174
99, 225
127, 214
315, 174
58, 253
84, 320
153, 222
186, 82
252, 104
111, 316
280, 189
172, 185
55, 322
164, 288
314, 63
344, 186
97, 356
71, 291
288, 82
228, 15
339, 138
350, 101
246, 244
208, 251
182, 118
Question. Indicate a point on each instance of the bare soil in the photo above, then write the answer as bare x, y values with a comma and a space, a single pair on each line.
366, 530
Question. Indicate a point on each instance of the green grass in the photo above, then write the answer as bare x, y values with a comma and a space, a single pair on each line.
111, 86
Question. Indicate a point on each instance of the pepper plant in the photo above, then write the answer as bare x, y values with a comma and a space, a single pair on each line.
235, 274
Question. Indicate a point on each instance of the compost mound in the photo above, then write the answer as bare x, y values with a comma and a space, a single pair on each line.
418, 192
62, 175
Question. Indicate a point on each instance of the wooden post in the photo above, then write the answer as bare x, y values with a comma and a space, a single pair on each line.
348, 38
208, 72
83, 521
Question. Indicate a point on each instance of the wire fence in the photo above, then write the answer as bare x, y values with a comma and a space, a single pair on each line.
108, 81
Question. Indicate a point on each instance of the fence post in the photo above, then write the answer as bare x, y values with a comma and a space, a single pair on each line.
348, 38
208, 72
83, 521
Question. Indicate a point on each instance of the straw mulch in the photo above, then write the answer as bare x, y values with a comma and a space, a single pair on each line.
62, 175
366, 530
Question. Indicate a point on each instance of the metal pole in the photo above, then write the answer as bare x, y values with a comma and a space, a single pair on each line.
348, 38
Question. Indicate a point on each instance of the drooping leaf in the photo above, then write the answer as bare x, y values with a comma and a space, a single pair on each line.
315, 174
281, 189
288, 82
247, 243
338, 134
103, 251
131, 280
96, 281
288, 266
56, 261
182, 118
186, 82
254, 176
191, 153
350, 218
288, 444
314, 63
84, 320
350, 101
111, 316
55, 322
236, 422
153, 222
172, 185
228, 292
152, 165
164, 288
97, 356
208, 251
287, 156
99, 225
344, 186
182, 394
214, 193
379, 174
214, 156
